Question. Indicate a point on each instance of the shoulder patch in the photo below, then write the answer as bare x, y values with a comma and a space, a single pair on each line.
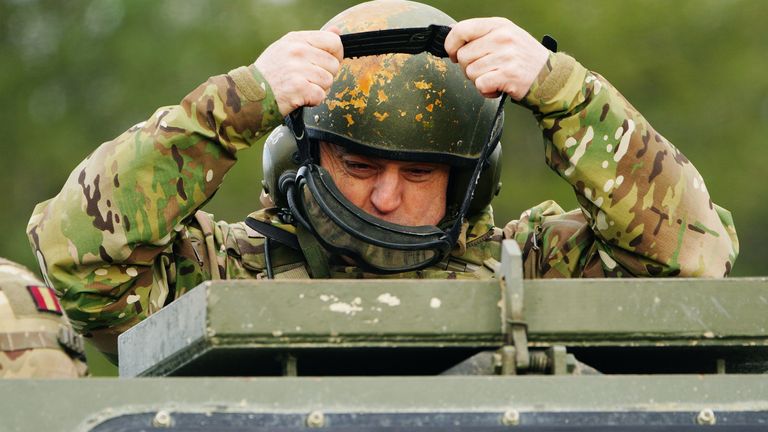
45, 299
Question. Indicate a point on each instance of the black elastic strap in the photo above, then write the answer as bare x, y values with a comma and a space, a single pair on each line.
272, 232
549, 43
406, 41
268, 258
295, 122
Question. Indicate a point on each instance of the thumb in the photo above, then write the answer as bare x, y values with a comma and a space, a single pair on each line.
334, 29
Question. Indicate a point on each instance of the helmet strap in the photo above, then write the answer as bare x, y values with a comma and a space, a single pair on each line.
295, 122
314, 253
490, 144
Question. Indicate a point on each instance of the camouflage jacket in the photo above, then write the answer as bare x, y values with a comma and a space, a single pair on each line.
124, 237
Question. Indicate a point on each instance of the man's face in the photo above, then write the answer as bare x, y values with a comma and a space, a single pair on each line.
404, 193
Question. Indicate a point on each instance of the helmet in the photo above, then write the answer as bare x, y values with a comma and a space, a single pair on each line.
36, 338
394, 106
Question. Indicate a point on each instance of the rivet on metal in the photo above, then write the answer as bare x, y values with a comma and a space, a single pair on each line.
706, 417
317, 118
315, 419
162, 419
511, 418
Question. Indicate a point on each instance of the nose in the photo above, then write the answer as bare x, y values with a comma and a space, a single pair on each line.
387, 192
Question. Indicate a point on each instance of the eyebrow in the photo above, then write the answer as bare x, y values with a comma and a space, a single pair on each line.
341, 150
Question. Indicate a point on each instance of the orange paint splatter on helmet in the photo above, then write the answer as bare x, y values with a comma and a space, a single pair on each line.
422, 85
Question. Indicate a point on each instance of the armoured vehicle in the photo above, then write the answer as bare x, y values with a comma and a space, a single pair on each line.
428, 355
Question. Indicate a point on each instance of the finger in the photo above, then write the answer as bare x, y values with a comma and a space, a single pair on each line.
491, 83
322, 59
472, 52
311, 95
327, 41
484, 65
464, 32
319, 76
314, 95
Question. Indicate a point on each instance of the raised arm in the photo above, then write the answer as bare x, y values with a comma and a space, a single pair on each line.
121, 235
105, 241
645, 210
645, 202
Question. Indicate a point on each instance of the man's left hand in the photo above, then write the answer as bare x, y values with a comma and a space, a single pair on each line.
496, 55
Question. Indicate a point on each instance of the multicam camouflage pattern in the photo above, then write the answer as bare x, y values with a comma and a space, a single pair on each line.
36, 341
123, 238
645, 210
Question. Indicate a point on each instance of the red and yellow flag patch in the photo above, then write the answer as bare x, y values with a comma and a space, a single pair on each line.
45, 299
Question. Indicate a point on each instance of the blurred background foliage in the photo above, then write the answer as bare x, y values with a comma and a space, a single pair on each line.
77, 73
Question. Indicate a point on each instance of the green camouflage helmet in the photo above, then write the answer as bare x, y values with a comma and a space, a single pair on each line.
406, 107
399, 106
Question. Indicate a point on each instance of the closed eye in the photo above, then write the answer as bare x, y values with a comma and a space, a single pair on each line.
359, 168
420, 171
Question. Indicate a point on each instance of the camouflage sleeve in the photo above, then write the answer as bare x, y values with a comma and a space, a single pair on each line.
645, 204
108, 241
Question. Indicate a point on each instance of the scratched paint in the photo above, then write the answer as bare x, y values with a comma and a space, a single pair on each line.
350, 308
388, 299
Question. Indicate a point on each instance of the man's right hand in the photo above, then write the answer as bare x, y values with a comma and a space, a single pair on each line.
300, 67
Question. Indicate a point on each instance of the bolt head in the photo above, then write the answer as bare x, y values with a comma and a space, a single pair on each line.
162, 419
706, 417
510, 418
315, 419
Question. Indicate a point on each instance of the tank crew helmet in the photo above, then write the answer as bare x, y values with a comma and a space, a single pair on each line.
408, 107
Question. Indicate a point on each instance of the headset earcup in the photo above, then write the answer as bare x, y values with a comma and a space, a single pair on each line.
280, 155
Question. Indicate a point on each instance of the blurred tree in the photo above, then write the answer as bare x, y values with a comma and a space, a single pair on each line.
75, 74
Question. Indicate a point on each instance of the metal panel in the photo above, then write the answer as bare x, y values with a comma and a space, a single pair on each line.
290, 315
646, 311
438, 422
179, 331
36, 405
370, 311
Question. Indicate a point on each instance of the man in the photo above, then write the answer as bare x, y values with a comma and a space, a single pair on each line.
386, 185
36, 339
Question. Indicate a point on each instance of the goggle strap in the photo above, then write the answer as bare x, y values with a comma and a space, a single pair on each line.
415, 40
